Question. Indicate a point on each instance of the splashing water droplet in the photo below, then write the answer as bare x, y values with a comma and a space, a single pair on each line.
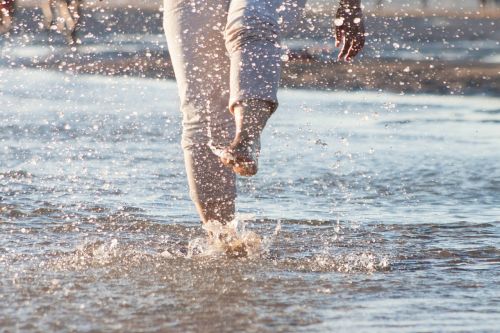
232, 240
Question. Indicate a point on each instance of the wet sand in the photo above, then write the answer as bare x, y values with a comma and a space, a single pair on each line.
411, 52
400, 76
391, 75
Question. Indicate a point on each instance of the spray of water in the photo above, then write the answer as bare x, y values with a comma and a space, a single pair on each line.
233, 240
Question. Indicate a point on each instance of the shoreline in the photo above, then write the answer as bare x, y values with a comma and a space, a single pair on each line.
391, 75
397, 76
454, 56
489, 12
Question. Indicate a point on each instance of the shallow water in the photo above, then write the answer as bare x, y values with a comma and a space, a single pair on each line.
377, 213
113, 33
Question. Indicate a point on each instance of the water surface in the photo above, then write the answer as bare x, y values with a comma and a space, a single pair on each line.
378, 213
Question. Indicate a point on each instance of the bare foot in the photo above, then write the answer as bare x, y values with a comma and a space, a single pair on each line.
243, 153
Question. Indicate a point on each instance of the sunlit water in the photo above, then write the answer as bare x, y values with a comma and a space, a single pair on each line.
374, 212
107, 33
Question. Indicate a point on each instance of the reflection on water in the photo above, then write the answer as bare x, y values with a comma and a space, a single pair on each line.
386, 217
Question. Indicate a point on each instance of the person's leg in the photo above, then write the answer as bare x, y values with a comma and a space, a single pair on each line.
250, 118
253, 41
74, 8
252, 36
194, 30
47, 14
6, 15
69, 23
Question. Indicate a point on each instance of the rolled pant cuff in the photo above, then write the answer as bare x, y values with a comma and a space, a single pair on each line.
243, 96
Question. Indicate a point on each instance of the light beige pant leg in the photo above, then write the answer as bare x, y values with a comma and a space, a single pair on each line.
194, 30
253, 40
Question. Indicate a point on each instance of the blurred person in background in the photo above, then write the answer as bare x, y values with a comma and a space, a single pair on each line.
63, 16
6, 15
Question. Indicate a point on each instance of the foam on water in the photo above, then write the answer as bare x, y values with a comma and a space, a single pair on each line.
222, 243
233, 240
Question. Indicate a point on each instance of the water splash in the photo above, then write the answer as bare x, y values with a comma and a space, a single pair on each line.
233, 240
366, 262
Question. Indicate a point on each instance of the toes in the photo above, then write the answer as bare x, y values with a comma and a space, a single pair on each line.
241, 165
227, 162
246, 169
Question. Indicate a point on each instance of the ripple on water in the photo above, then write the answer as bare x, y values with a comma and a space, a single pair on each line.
386, 216
126, 253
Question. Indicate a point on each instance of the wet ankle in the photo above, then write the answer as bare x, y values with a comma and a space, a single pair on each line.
251, 118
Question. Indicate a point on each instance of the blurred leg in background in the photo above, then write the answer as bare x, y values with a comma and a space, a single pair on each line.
6, 15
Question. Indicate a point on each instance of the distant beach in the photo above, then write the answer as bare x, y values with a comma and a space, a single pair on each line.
407, 52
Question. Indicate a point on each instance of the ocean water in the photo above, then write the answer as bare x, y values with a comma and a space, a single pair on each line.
372, 213
108, 33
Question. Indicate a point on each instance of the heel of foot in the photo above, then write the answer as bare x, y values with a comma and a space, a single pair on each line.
246, 169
